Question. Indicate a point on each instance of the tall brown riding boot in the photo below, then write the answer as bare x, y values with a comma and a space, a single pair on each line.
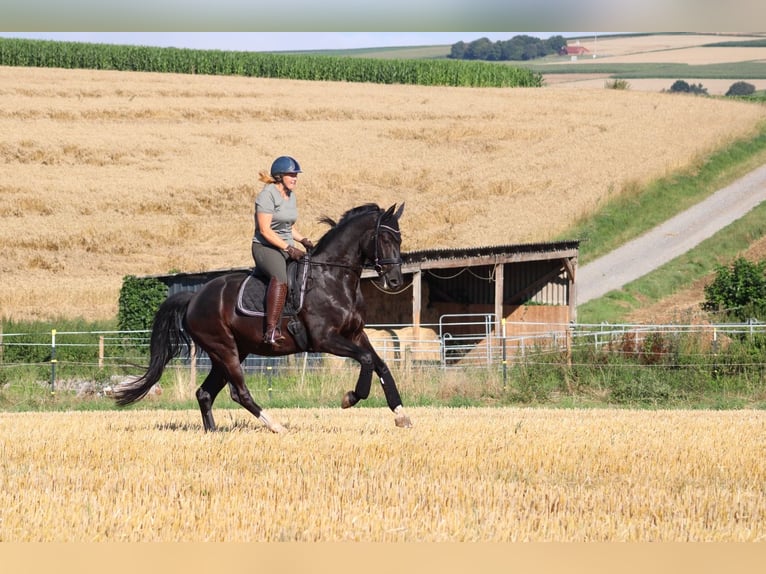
275, 302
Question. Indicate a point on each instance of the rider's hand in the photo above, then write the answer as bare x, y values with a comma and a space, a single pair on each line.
293, 252
307, 243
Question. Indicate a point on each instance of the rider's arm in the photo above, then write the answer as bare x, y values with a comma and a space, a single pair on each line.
264, 226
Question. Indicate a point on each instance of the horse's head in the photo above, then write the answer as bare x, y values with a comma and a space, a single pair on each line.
365, 235
385, 249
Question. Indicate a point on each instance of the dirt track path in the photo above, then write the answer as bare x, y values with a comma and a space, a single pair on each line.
670, 239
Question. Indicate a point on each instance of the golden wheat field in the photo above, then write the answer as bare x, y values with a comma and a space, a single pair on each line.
105, 174
506, 474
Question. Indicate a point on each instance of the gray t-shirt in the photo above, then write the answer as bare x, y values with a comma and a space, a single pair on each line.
284, 213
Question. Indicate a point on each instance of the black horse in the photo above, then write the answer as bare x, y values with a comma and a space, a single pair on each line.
331, 317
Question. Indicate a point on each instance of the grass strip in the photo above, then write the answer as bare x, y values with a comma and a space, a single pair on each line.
678, 273
636, 211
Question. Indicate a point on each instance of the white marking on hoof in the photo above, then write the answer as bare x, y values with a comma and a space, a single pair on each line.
402, 420
273, 426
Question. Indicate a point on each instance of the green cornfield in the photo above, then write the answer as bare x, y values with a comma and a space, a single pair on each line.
80, 55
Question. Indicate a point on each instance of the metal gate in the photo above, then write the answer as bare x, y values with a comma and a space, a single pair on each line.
466, 338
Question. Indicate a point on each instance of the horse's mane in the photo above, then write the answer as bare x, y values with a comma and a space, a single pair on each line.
346, 218
350, 214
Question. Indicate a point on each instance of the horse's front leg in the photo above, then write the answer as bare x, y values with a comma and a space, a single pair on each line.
392, 393
370, 361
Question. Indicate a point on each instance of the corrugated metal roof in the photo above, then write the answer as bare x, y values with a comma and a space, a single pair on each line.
554, 248
430, 258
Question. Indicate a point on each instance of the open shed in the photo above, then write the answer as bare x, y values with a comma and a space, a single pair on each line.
525, 284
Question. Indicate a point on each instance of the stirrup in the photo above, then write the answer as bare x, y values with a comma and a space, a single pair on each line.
274, 337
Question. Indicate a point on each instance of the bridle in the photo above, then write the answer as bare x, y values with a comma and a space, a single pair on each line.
379, 262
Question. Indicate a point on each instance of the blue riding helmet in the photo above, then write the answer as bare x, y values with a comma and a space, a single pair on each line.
284, 164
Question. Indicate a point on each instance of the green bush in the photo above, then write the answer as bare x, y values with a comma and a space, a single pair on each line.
738, 291
647, 387
139, 301
617, 84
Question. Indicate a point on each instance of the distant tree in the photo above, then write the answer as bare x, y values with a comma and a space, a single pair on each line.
740, 89
682, 87
520, 47
511, 50
555, 43
698, 89
457, 51
482, 49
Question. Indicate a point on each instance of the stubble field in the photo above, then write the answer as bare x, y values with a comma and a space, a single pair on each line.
106, 174
507, 475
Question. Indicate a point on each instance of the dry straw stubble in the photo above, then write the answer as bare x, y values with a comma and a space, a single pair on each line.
507, 475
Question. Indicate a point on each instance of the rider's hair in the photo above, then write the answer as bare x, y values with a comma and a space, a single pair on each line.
266, 177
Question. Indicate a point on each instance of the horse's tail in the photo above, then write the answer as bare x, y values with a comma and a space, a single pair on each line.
167, 342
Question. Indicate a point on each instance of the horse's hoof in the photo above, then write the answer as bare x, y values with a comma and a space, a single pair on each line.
272, 425
403, 421
277, 428
349, 400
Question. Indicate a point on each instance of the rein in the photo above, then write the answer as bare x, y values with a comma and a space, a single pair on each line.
308, 260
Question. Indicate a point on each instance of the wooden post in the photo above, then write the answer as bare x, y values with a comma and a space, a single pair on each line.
571, 268
101, 352
416, 303
53, 361
499, 288
568, 347
505, 357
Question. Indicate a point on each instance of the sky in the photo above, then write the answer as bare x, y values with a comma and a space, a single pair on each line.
334, 24
277, 41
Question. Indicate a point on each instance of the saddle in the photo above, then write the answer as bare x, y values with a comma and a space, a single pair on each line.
251, 299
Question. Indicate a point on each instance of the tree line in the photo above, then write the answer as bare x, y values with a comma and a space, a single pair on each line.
521, 47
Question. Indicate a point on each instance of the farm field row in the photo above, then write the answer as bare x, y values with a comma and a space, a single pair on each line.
685, 48
509, 474
714, 87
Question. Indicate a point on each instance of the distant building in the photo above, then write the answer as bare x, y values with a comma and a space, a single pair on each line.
573, 51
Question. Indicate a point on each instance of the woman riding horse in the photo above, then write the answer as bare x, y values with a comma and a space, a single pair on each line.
332, 315
276, 212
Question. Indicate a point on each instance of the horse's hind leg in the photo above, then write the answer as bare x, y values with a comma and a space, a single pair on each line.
241, 395
206, 395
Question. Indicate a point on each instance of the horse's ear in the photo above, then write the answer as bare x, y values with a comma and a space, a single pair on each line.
399, 211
